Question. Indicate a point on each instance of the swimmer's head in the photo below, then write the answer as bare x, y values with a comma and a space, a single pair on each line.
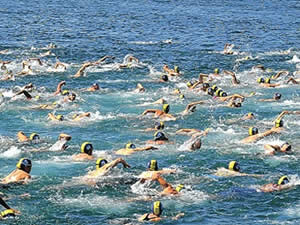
223, 94
72, 97
250, 114
210, 91
95, 86
157, 208
279, 123
196, 145
193, 108
234, 166
267, 80
166, 108
181, 96
277, 96
218, 91
216, 71
87, 148
283, 180
59, 117
260, 80
177, 91
100, 162
176, 69
34, 137
164, 78
3, 67
214, 88
130, 146
75, 116
65, 92
24, 164
189, 84
179, 187
205, 85
152, 165
252, 131
286, 147
159, 125
160, 136
7, 213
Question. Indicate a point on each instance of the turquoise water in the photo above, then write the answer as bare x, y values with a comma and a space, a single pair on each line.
190, 34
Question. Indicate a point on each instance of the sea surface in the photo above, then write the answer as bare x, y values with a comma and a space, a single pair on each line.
190, 34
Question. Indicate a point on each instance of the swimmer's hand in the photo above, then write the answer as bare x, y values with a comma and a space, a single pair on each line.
178, 216
17, 212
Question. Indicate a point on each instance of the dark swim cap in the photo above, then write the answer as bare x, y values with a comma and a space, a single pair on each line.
159, 125
205, 85
87, 148
166, 108
253, 131
210, 91
100, 162
23, 164
277, 96
160, 136
164, 78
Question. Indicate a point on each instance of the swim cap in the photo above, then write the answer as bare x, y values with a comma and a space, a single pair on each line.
218, 91
250, 114
216, 71
65, 92
75, 115
152, 165
130, 146
238, 104
23, 164
179, 187
59, 117
277, 96
205, 85
267, 81
164, 77
288, 148
34, 136
260, 80
214, 88
283, 180
100, 162
223, 94
166, 108
181, 96
160, 136
159, 125
157, 208
176, 69
252, 131
86, 147
177, 91
279, 123
234, 166
189, 84
210, 91
7, 213
96, 85
37, 97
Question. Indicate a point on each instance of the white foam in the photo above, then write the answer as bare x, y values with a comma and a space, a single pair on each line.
12, 152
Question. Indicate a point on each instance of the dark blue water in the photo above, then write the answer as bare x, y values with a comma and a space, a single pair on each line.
190, 34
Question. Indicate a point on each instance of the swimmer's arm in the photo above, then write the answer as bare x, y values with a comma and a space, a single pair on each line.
160, 180
232, 74
266, 100
292, 80
201, 76
3, 203
280, 73
178, 216
195, 85
186, 130
145, 148
59, 86
159, 101
82, 68
104, 58
193, 104
27, 95
116, 162
149, 111
51, 116
167, 171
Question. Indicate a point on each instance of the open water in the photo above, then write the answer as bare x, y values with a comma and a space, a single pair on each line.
190, 34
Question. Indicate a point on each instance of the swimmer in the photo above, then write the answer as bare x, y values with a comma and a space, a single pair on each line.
167, 188
266, 83
130, 148
139, 88
235, 81
188, 131
232, 171
284, 72
248, 116
128, 61
60, 144
254, 136
155, 216
273, 149
21, 174
81, 116
152, 170
282, 184
26, 69
162, 114
59, 88
86, 152
228, 49
93, 88
191, 107
23, 138
171, 72
103, 167
231, 98
53, 117
157, 126
59, 65
276, 97
164, 78
160, 101
47, 106
159, 139
193, 143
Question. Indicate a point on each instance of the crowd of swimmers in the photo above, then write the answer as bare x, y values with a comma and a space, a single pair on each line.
206, 84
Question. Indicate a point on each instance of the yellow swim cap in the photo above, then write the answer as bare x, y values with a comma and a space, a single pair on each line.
279, 123
54, 103
23, 164
181, 96
65, 92
7, 212
37, 97
217, 71
59, 117
234, 166
34, 136
177, 91
214, 87
218, 91
74, 116
189, 84
152, 165
260, 80
157, 208
87, 148
252, 131
166, 108
130, 146
176, 69
179, 187
267, 80
100, 162
283, 180
250, 114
